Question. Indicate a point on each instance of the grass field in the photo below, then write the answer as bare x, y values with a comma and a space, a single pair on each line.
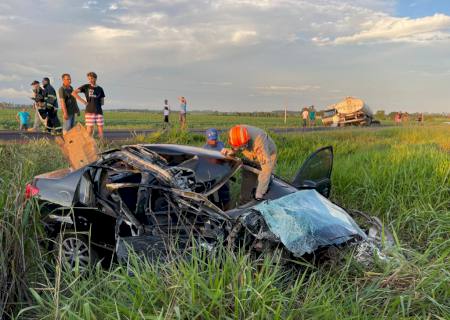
398, 174
153, 120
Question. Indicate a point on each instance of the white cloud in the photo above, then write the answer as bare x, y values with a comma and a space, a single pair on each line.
394, 29
105, 33
243, 36
89, 4
11, 93
281, 89
26, 69
9, 77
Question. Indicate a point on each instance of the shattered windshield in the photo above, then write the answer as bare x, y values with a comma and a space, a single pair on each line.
305, 221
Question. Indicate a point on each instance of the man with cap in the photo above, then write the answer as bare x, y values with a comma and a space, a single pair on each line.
212, 140
38, 105
222, 197
257, 146
51, 104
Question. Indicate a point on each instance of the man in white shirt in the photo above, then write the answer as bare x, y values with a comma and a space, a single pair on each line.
305, 115
166, 112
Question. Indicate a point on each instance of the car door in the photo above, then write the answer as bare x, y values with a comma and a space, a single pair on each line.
315, 173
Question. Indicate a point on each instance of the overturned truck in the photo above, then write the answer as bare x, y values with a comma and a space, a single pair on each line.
350, 111
157, 199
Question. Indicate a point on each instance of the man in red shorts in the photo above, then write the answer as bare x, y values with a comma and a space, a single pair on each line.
95, 99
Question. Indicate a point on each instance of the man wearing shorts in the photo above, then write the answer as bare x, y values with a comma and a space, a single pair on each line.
95, 99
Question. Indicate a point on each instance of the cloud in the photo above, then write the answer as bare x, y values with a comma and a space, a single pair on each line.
105, 33
89, 4
266, 48
26, 69
394, 29
11, 93
243, 36
282, 90
9, 77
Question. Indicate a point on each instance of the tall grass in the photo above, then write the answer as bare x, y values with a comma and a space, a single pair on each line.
398, 174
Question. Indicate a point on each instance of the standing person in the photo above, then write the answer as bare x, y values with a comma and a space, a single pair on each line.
256, 145
221, 197
51, 105
38, 105
166, 113
68, 103
420, 118
397, 118
312, 117
305, 115
23, 117
405, 117
95, 99
183, 111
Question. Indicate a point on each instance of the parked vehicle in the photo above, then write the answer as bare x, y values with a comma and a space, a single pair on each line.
157, 198
350, 111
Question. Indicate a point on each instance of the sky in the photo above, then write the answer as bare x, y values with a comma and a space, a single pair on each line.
233, 55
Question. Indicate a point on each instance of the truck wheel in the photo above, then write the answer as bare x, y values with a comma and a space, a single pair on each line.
76, 249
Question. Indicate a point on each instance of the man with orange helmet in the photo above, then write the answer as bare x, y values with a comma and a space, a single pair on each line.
257, 146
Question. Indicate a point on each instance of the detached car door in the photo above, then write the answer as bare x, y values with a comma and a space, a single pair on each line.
315, 173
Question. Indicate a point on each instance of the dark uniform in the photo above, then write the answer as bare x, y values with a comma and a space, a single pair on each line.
51, 107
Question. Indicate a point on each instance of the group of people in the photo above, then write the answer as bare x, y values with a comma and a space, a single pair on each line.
309, 116
403, 117
182, 114
46, 105
255, 145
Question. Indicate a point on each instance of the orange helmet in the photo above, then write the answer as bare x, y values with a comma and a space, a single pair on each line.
238, 136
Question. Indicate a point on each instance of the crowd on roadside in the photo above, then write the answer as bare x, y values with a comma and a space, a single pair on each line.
46, 105
403, 117
309, 117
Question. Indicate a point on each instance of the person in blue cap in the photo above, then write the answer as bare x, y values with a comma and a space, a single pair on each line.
221, 197
212, 140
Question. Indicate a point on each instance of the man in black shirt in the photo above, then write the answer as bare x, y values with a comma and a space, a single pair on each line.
95, 99
68, 103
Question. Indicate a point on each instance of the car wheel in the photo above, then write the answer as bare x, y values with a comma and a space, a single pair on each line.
76, 249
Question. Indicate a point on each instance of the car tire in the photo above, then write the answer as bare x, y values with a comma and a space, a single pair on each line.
76, 247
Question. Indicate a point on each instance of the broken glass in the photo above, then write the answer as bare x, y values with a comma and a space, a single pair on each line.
305, 221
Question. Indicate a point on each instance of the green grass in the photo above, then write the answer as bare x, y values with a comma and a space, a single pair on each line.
115, 120
399, 174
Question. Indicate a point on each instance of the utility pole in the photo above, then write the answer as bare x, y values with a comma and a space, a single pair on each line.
285, 111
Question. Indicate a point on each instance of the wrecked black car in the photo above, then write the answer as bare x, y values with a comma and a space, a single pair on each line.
152, 198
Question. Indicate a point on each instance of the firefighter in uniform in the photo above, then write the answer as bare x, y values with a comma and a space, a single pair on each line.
257, 146
51, 105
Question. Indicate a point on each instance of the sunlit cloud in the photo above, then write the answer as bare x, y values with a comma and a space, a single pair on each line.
393, 29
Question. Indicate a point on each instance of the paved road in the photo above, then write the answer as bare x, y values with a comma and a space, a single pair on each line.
17, 136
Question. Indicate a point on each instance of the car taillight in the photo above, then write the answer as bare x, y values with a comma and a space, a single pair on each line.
30, 191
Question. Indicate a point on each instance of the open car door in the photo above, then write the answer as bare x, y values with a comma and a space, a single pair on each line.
315, 173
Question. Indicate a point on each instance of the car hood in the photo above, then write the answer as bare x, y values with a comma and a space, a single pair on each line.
305, 221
